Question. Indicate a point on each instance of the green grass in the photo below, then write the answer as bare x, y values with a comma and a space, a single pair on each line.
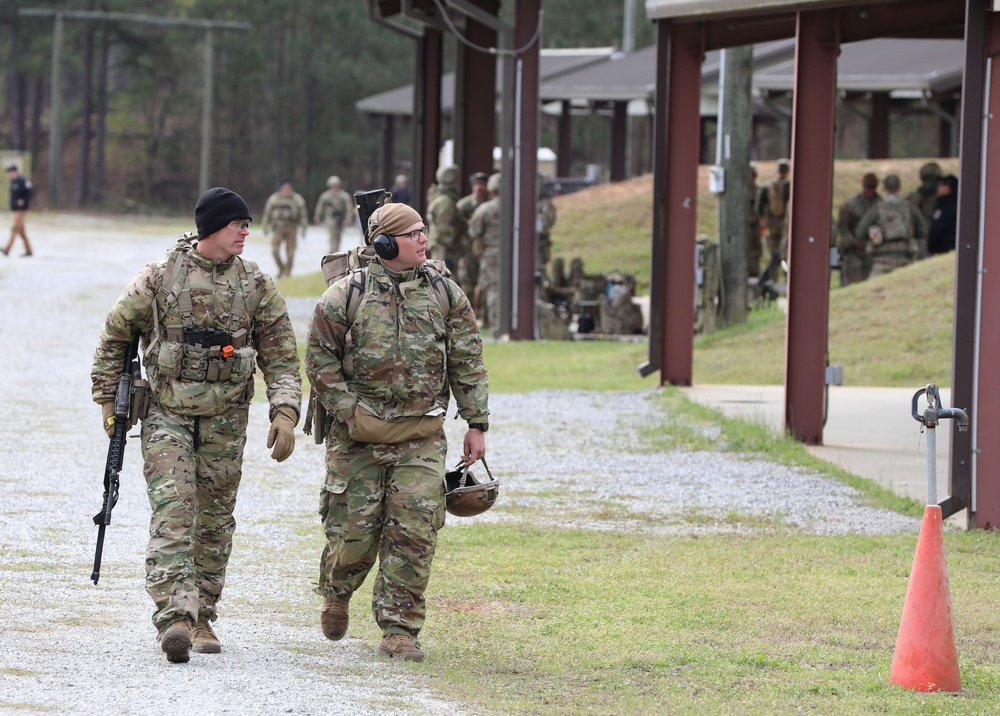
894, 331
531, 620
610, 226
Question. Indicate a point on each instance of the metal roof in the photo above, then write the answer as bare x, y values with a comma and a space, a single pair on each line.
551, 63
659, 9
890, 65
909, 67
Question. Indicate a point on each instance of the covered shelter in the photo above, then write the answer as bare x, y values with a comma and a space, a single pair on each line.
686, 31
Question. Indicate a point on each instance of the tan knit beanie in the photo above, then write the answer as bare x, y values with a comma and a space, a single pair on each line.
392, 219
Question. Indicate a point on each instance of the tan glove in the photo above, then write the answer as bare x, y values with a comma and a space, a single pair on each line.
108, 419
282, 433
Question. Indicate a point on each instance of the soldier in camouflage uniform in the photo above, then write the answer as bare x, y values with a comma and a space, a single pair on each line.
393, 365
544, 221
468, 266
484, 234
446, 228
772, 208
892, 226
924, 198
855, 258
206, 318
333, 208
286, 215
754, 248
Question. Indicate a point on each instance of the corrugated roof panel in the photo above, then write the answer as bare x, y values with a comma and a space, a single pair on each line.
659, 9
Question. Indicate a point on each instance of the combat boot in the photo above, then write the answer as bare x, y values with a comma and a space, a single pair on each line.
176, 642
400, 646
333, 618
205, 640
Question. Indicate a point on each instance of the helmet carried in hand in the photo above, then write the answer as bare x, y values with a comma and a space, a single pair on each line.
466, 496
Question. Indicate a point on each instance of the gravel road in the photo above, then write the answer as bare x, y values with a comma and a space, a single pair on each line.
69, 647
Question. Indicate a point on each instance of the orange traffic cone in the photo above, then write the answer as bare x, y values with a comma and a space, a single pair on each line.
925, 657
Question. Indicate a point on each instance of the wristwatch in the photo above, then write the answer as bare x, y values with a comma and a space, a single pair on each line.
479, 426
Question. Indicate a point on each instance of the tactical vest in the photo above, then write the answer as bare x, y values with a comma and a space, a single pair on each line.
354, 263
894, 220
201, 371
776, 198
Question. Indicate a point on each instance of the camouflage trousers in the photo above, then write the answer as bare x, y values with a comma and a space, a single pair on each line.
335, 231
856, 266
489, 286
777, 235
192, 468
287, 236
386, 502
883, 263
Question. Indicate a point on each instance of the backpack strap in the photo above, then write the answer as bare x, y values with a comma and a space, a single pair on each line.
172, 289
357, 283
440, 287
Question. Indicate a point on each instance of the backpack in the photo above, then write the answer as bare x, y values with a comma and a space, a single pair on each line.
776, 198
894, 220
355, 264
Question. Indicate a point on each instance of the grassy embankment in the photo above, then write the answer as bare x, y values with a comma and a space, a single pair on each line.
893, 331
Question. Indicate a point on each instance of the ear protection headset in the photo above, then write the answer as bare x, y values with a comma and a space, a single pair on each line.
384, 244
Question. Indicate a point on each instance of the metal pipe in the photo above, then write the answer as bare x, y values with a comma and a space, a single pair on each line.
930, 417
977, 321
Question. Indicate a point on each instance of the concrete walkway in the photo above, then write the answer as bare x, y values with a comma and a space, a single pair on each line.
869, 431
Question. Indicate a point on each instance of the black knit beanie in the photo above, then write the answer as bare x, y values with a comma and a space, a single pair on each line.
216, 208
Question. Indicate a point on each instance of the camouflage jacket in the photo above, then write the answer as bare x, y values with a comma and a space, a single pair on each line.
851, 212
917, 223
465, 206
282, 212
445, 227
401, 356
546, 215
334, 207
485, 225
176, 371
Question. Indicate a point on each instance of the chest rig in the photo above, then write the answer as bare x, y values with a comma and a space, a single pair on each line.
204, 354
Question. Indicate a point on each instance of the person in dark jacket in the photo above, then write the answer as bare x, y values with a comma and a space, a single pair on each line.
944, 219
21, 191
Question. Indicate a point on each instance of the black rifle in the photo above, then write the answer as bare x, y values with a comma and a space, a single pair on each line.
116, 450
366, 203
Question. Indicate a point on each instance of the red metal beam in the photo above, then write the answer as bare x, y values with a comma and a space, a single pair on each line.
813, 111
878, 127
565, 123
619, 133
679, 162
523, 313
967, 256
985, 449
427, 111
475, 97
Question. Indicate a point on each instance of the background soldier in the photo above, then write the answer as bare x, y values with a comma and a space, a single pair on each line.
772, 207
385, 458
944, 220
544, 222
333, 208
401, 189
754, 248
893, 227
205, 316
21, 191
468, 267
484, 235
925, 199
856, 259
445, 227
286, 215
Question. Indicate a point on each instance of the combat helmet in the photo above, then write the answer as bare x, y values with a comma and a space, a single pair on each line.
447, 174
493, 184
466, 496
930, 171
